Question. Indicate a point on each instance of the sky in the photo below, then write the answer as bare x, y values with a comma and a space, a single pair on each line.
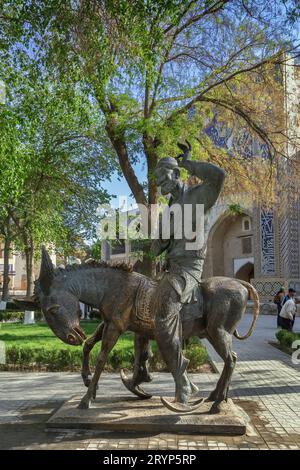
119, 187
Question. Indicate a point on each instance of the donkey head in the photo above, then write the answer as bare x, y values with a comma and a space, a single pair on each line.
60, 307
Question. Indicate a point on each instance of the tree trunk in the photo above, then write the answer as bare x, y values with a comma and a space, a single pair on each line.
6, 279
150, 144
29, 269
119, 143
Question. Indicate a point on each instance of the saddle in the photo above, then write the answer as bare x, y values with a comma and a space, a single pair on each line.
146, 294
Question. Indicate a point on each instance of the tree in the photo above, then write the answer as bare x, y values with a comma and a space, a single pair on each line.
159, 71
53, 158
13, 170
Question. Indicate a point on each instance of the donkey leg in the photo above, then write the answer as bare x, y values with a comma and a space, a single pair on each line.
109, 338
88, 346
142, 354
234, 357
221, 340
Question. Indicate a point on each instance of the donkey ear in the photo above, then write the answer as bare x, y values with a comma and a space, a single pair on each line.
46, 272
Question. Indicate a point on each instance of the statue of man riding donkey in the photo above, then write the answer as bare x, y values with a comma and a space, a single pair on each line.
177, 307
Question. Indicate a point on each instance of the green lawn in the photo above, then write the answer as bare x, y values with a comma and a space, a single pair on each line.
40, 335
35, 347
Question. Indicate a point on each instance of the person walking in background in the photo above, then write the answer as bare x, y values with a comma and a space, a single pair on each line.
287, 315
290, 295
288, 311
278, 300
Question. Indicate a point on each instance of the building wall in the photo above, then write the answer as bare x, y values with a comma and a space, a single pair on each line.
230, 246
20, 268
18, 281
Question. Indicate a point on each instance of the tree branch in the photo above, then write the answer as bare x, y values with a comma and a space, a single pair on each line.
118, 141
217, 6
200, 96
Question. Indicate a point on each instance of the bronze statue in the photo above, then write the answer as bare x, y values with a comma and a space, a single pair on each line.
178, 306
184, 267
126, 301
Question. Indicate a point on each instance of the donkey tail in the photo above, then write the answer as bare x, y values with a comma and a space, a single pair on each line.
254, 296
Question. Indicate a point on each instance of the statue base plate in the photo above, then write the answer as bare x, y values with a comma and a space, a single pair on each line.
131, 414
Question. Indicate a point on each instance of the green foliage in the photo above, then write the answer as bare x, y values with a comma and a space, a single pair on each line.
235, 209
145, 65
121, 358
286, 338
98, 87
51, 155
195, 352
35, 347
15, 316
197, 355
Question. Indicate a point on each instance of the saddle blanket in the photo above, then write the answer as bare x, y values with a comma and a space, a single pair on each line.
146, 293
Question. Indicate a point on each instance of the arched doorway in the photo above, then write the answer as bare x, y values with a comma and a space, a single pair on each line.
230, 247
246, 272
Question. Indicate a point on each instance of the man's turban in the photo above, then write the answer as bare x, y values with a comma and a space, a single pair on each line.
167, 162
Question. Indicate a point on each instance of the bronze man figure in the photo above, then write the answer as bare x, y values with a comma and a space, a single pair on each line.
184, 267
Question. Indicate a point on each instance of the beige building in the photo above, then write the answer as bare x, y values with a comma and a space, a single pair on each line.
230, 250
17, 271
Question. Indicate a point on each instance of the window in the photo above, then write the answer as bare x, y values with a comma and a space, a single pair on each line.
246, 223
10, 268
246, 245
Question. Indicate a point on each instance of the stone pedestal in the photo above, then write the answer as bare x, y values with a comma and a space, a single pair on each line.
29, 317
131, 414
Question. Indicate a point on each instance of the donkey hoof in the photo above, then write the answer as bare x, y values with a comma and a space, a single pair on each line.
211, 397
215, 409
218, 407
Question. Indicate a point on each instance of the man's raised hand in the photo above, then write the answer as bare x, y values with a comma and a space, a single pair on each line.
186, 155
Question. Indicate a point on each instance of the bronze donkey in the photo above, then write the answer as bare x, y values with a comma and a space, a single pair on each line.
126, 301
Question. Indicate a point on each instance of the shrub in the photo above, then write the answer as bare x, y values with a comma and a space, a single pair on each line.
195, 352
197, 355
55, 357
13, 315
51, 359
12, 306
95, 314
121, 358
286, 338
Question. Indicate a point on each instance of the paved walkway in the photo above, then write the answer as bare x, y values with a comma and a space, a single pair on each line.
266, 384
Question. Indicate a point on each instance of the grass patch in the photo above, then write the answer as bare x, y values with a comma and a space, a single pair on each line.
34, 347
